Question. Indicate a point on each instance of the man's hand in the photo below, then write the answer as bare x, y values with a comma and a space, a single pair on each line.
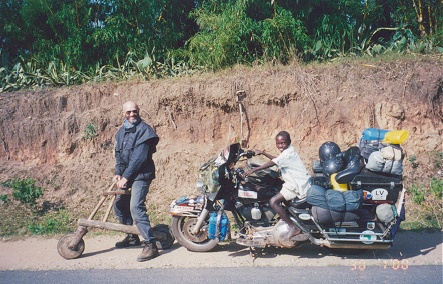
116, 178
122, 182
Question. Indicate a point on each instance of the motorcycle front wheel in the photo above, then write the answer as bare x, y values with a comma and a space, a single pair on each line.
182, 230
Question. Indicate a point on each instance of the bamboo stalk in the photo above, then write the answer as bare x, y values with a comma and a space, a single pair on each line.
97, 207
109, 226
115, 192
109, 208
100, 203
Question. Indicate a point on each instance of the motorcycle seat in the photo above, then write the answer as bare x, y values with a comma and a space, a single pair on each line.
353, 168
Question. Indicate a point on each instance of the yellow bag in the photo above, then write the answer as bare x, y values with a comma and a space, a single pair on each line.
336, 185
396, 137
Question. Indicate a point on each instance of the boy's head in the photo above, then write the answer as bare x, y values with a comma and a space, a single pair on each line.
282, 140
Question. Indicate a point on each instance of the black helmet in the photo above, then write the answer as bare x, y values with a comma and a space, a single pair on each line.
333, 165
328, 150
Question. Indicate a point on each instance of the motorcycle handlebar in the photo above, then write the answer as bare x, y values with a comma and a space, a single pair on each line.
248, 154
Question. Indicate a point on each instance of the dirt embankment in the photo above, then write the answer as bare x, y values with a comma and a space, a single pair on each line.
43, 132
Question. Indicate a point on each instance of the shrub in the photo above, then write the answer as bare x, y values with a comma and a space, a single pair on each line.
4, 198
90, 132
25, 191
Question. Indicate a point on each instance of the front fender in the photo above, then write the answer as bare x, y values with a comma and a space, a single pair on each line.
187, 206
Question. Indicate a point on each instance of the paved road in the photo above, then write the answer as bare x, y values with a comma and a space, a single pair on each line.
410, 249
280, 275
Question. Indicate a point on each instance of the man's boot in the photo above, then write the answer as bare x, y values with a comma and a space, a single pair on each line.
150, 251
128, 241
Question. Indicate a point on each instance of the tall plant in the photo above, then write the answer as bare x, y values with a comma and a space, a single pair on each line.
242, 31
282, 36
224, 35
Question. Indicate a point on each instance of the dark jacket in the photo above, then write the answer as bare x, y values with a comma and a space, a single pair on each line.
133, 152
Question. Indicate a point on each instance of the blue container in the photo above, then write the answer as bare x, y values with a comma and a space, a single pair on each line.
374, 134
212, 230
224, 225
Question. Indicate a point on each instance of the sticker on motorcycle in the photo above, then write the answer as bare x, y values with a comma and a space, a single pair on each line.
368, 237
304, 216
337, 230
367, 195
184, 208
379, 194
247, 194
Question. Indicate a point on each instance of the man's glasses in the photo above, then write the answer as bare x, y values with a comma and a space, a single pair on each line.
134, 111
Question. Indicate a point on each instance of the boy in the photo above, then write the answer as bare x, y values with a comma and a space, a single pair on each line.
296, 180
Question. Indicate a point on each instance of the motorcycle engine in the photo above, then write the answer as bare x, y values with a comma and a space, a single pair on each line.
258, 215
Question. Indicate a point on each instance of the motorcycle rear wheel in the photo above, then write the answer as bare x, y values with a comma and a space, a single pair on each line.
181, 229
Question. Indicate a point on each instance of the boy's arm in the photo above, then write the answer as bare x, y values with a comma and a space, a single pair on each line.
264, 166
260, 152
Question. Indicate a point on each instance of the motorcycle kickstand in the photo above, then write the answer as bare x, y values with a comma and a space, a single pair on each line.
254, 252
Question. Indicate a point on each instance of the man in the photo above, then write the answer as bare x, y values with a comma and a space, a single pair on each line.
135, 143
296, 180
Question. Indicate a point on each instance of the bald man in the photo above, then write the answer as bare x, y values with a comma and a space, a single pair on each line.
135, 143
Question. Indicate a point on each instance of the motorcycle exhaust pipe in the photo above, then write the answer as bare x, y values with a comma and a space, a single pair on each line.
328, 244
335, 245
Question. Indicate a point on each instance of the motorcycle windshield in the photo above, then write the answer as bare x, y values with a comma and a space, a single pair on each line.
213, 172
228, 154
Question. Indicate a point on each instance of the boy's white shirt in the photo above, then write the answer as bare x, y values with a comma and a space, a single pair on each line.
293, 171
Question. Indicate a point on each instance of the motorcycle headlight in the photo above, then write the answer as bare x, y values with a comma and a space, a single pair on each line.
201, 186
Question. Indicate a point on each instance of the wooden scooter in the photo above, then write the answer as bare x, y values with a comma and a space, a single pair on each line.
72, 245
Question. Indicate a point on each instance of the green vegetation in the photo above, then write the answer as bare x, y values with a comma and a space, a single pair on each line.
51, 223
56, 43
90, 132
25, 216
413, 161
18, 220
25, 191
4, 198
425, 209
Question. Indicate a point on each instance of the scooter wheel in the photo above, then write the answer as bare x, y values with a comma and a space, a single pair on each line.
65, 251
164, 237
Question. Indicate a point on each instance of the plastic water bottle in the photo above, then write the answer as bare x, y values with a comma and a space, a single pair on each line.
374, 134
255, 212
224, 223
212, 231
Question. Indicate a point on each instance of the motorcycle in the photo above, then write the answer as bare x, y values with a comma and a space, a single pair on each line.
199, 223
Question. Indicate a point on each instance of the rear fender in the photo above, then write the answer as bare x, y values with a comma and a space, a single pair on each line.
190, 206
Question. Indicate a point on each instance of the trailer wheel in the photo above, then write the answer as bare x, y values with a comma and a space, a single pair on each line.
65, 251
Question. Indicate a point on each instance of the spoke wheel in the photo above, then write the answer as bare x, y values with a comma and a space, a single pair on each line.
182, 230
187, 230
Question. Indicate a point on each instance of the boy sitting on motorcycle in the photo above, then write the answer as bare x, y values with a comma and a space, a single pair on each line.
295, 176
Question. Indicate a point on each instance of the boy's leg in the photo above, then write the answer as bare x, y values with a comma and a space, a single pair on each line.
274, 202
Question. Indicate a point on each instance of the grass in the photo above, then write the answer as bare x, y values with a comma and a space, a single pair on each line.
424, 192
17, 220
